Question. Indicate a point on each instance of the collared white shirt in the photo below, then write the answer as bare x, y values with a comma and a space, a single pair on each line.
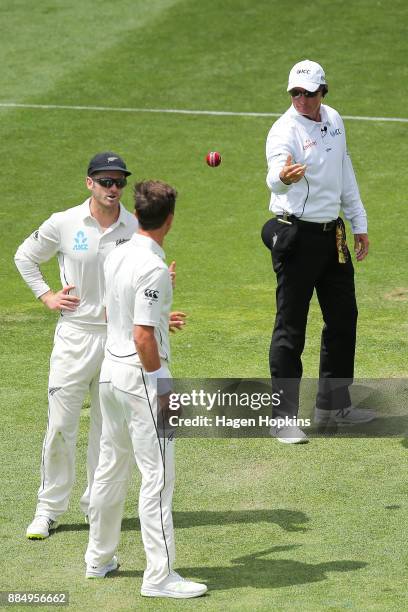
138, 292
81, 246
329, 183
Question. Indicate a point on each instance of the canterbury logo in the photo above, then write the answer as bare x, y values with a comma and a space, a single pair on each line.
121, 241
152, 294
53, 390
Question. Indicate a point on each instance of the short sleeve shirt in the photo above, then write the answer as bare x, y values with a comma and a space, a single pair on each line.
138, 292
81, 246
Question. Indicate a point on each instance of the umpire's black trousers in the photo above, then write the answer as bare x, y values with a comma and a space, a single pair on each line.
304, 258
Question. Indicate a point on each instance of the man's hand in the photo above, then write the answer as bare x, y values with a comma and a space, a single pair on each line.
292, 173
61, 300
164, 411
172, 270
361, 245
176, 321
164, 414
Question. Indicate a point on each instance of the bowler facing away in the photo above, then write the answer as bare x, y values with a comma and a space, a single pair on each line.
138, 301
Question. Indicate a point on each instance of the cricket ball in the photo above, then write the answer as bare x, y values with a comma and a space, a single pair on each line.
213, 159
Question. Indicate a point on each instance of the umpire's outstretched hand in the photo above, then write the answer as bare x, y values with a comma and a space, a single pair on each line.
292, 173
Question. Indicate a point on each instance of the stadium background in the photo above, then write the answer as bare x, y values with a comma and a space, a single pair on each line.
318, 527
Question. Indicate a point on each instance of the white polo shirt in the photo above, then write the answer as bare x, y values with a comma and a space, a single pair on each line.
81, 246
329, 183
138, 292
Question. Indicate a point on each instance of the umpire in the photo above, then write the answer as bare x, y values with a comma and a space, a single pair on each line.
311, 178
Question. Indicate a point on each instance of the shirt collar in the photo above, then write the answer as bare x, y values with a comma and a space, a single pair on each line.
309, 124
148, 243
86, 212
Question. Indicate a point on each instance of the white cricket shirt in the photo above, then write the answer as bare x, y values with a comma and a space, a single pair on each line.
329, 184
81, 246
138, 292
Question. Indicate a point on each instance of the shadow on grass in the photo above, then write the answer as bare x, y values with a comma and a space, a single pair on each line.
257, 571
289, 520
72, 527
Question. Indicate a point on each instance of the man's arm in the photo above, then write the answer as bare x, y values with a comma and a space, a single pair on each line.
147, 313
146, 346
354, 210
61, 300
148, 351
282, 170
147, 316
38, 248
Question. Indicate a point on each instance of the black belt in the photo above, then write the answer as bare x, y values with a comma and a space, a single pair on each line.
308, 225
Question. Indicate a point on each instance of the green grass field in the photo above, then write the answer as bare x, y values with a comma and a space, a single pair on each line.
311, 528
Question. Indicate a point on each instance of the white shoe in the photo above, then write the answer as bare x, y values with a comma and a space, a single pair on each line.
174, 586
289, 434
40, 528
93, 571
345, 416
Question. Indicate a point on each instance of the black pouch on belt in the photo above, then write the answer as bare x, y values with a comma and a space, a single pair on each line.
280, 238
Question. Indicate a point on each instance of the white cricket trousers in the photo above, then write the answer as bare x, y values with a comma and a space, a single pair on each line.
129, 432
74, 370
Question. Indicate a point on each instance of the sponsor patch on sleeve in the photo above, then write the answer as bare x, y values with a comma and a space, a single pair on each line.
151, 294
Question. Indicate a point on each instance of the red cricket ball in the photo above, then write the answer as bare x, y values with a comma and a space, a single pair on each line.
213, 159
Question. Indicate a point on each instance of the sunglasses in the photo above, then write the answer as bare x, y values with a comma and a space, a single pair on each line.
296, 93
107, 182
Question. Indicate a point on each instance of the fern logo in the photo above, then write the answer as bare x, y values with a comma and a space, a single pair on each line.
80, 242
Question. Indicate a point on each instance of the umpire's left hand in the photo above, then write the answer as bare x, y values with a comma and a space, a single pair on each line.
361, 244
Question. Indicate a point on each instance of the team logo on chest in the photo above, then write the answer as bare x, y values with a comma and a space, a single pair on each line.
80, 242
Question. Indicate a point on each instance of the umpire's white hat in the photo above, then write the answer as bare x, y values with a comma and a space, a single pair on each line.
306, 74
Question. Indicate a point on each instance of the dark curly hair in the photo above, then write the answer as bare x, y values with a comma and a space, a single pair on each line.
154, 202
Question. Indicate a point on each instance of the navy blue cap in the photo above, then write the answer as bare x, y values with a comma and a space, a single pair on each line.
107, 161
